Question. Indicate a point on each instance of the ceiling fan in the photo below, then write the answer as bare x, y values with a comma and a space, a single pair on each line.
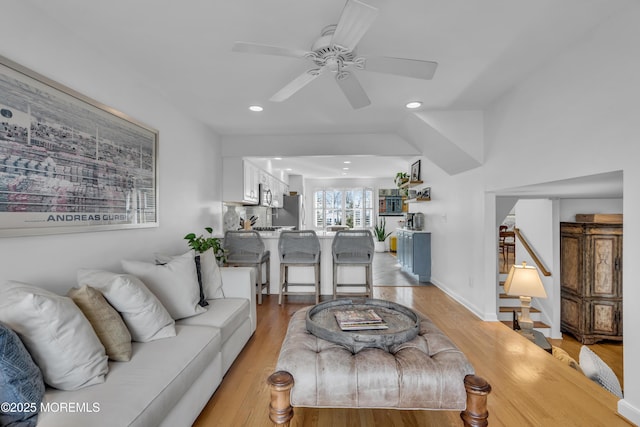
335, 51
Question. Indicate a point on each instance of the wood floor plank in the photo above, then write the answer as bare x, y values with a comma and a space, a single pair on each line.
530, 387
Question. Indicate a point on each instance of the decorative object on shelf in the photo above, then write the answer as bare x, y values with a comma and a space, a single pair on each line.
424, 194
201, 244
400, 180
230, 219
415, 171
524, 281
381, 235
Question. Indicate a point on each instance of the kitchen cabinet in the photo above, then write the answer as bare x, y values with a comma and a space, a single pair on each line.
240, 180
591, 281
414, 253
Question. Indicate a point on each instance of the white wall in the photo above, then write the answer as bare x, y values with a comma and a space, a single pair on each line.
577, 116
188, 159
570, 207
535, 220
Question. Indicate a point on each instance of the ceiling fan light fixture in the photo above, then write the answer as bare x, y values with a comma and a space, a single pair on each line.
413, 105
255, 108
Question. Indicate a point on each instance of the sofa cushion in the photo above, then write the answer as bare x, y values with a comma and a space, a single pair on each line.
20, 382
211, 275
145, 317
105, 320
174, 283
143, 391
56, 333
227, 314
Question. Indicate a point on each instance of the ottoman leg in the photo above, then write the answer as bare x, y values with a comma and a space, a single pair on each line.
280, 409
476, 414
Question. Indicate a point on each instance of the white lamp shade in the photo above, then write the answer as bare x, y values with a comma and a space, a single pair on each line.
524, 280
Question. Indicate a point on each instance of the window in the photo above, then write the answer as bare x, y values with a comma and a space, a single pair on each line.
352, 207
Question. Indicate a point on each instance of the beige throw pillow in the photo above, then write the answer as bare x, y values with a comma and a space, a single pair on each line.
106, 321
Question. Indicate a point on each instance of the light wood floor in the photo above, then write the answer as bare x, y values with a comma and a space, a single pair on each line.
530, 387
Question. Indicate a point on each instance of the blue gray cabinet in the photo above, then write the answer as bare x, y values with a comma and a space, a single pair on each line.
414, 253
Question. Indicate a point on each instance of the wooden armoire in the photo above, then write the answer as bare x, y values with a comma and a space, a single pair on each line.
591, 280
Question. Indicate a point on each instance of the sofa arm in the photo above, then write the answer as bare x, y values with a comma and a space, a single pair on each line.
239, 282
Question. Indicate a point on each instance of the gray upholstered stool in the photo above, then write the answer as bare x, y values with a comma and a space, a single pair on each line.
245, 248
428, 372
298, 249
353, 248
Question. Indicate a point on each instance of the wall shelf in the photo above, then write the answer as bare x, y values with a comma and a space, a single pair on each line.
410, 184
418, 199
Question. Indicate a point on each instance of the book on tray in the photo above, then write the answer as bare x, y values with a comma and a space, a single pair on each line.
357, 320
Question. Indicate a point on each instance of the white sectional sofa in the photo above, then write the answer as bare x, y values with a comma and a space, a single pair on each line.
168, 381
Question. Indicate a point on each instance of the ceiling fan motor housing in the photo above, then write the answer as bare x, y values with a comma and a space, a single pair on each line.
334, 57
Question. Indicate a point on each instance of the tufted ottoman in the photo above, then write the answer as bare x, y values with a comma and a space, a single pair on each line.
428, 372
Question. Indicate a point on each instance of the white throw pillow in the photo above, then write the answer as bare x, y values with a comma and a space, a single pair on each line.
598, 371
145, 316
174, 283
56, 333
211, 275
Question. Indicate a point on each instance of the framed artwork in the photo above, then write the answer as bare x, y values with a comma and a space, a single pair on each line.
68, 163
415, 171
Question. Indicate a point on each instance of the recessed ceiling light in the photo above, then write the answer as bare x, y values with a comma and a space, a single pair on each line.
288, 169
277, 158
345, 169
413, 104
256, 108
347, 162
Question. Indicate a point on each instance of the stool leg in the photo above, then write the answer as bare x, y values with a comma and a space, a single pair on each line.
335, 280
369, 281
259, 283
316, 270
268, 281
283, 280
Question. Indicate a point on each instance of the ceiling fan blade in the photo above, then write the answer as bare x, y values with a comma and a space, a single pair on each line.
401, 66
355, 20
352, 90
296, 84
246, 47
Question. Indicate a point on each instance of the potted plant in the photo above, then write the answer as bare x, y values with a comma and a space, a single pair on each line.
381, 235
201, 244
401, 179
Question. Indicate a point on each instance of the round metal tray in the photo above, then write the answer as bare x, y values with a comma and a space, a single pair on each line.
404, 324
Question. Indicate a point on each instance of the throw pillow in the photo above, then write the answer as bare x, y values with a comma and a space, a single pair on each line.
174, 283
106, 322
598, 371
56, 333
210, 276
563, 356
145, 317
21, 382
162, 259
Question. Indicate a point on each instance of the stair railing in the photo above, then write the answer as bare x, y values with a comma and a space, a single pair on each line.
531, 252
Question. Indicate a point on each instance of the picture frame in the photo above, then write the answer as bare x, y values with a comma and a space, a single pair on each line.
69, 163
415, 171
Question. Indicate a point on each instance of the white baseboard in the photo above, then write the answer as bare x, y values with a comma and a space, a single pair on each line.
488, 317
628, 411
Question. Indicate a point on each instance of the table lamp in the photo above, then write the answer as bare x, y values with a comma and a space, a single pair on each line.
524, 281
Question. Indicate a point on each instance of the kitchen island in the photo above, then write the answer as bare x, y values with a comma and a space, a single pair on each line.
305, 274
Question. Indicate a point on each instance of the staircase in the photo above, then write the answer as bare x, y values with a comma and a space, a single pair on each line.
508, 303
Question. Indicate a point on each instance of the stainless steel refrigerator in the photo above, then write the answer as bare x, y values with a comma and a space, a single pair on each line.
291, 214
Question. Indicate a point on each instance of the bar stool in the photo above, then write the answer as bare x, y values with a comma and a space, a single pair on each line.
353, 248
298, 249
245, 248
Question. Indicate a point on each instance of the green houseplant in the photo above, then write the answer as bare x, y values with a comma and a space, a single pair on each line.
381, 235
401, 179
201, 244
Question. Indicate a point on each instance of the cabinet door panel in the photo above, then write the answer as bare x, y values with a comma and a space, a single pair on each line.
603, 317
602, 265
571, 260
570, 309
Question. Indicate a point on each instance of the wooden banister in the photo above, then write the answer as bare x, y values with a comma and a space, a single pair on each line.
533, 255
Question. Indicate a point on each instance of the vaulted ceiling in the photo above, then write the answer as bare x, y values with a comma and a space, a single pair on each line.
184, 50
